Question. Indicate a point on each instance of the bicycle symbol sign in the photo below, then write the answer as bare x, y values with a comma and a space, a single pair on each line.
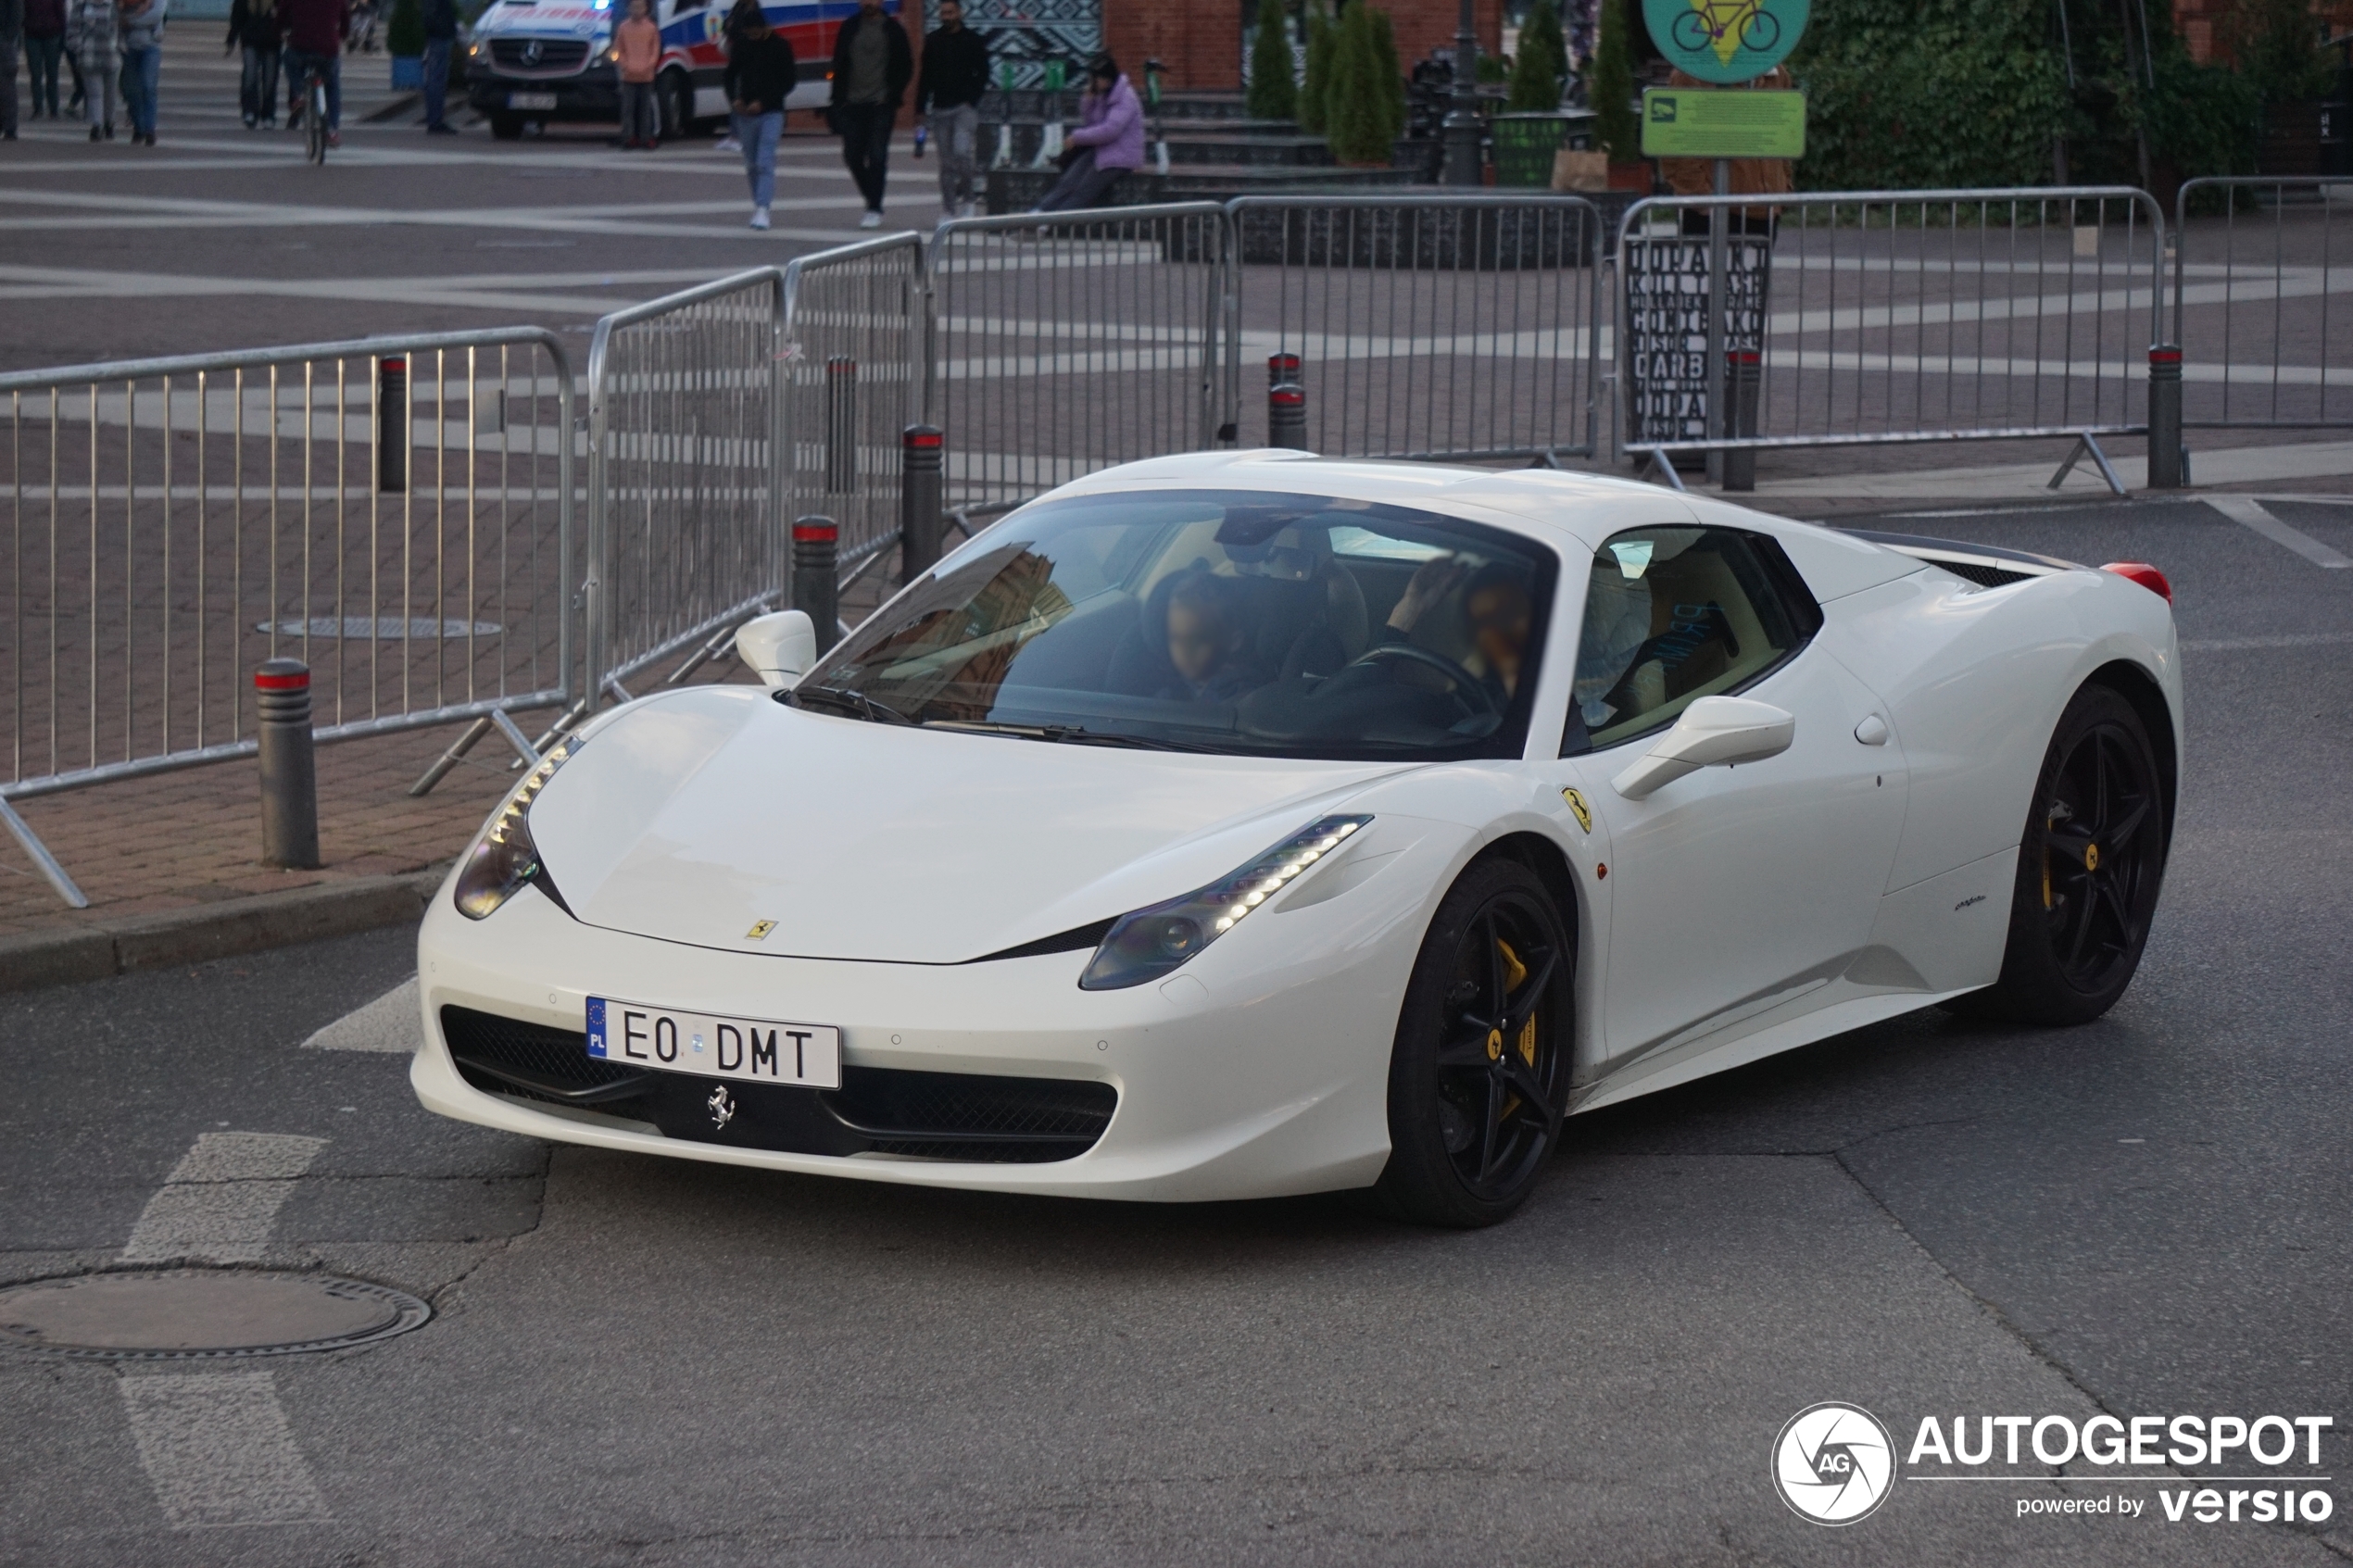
1725, 40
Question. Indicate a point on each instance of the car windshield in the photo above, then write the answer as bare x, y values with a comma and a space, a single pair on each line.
1218, 621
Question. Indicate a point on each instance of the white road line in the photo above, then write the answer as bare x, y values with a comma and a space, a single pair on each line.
391, 1023
217, 1448
2248, 513
219, 1202
2285, 640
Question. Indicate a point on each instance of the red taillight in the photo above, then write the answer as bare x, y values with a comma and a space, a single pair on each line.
2145, 574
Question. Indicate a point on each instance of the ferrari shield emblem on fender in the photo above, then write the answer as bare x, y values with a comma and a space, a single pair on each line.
722, 1106
759, 930
1577, 804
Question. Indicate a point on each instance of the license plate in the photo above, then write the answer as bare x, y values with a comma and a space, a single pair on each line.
750, 1051
531, 100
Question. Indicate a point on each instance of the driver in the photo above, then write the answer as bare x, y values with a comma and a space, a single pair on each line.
1496, 602
1205, 643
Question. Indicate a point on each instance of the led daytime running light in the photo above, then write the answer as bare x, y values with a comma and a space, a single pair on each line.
504, 858
1150, 943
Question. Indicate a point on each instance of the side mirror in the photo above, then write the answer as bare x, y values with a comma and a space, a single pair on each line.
778, 647
1713, 730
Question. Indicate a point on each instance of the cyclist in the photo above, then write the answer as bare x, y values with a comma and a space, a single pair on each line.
315, 32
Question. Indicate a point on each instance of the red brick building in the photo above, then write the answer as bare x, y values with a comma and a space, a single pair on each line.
1201, 41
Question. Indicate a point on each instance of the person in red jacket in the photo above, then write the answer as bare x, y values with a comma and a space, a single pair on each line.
315, 32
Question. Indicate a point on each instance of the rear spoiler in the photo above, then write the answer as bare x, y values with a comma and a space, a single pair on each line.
1988, 565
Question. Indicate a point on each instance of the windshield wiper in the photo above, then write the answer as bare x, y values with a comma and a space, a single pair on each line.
1070, 734
858, 705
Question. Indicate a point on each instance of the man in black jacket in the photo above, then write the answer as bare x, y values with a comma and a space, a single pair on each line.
955, 75
872, 63
441, 39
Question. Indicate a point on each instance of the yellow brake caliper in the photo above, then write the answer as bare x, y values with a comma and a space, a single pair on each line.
1515, 974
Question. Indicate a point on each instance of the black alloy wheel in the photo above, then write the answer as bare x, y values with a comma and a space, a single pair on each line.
1478, 1080
2090, 864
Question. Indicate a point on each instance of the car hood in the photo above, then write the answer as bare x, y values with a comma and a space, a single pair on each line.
700, 815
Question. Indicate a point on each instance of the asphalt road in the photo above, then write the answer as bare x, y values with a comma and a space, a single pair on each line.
219, 238
641, 1362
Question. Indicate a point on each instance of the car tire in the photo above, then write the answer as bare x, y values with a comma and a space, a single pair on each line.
2089, 866
1479, 1075
505, 127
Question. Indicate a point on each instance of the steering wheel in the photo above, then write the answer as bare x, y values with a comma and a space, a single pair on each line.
1468, 689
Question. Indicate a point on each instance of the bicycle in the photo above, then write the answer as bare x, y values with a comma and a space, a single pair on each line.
1755, 27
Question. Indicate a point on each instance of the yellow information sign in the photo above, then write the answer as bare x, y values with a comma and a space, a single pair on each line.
1722, 122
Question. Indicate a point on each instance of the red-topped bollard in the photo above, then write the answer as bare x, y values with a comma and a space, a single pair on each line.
1283, 368
920, 478
1287, 416
816, 563
289, 777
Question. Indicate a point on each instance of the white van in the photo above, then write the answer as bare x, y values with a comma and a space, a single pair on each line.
547, 60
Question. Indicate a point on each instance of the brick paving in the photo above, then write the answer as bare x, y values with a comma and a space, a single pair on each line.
177, 840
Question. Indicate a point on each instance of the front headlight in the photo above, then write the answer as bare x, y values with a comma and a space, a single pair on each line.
503, 859
1150, 943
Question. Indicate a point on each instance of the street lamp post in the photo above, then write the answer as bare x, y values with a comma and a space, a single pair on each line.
1461, 127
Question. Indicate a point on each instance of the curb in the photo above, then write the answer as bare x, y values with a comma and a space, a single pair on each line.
214, 931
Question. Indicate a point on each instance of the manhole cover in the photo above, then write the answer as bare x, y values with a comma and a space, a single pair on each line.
188, 1314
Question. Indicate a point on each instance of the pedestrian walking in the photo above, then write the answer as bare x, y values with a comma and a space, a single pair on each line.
93, 32
636, 48
760, 73
255, 28
1108, 142
315, 32
948, 98
727, 142
872, 63
45, 45
142, 63
11, 42
441, 41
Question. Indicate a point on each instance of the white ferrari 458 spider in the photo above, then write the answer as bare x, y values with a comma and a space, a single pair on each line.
1248, 824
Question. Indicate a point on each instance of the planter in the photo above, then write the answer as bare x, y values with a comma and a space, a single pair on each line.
1525, 145
408, 72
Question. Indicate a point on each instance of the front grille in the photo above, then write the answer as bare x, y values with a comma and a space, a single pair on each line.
930, 1105
533, 1061
539, 56
967, 1116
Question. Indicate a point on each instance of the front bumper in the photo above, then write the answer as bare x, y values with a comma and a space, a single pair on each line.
1237, 1079
594, 93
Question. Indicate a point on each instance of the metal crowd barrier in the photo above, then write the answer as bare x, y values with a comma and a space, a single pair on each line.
2264, 346
1063, 344
853, 360
1841, 318
1455, 325
686, 461
396, 513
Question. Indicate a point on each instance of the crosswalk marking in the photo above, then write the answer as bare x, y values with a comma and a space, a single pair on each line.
390, 1023
217, 1447
219, 1202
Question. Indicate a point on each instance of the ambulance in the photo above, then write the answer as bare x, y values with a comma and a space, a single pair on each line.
537, 62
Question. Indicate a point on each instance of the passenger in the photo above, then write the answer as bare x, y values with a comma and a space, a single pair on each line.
1205, 643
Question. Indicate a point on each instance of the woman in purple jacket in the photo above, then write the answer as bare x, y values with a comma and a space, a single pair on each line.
1108, 142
